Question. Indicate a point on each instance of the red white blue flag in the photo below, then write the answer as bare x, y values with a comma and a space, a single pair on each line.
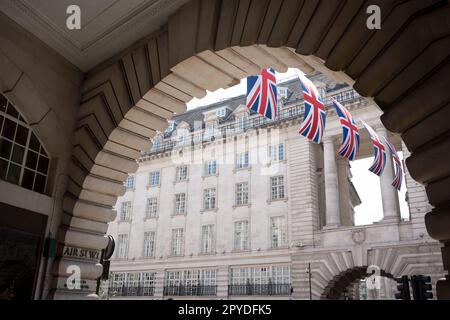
313, 124
350, 138
397, 183
379, 161
262, 93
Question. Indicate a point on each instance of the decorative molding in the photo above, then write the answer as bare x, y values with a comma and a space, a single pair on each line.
125, 30
359, 236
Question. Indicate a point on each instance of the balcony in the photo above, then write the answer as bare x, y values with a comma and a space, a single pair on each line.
131, 291
193, 290
270, 289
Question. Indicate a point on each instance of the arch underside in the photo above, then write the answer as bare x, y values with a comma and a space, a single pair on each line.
207, 45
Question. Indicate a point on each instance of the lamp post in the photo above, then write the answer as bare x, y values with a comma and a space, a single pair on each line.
308, 271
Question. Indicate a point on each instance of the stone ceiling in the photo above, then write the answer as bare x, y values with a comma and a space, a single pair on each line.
107, 26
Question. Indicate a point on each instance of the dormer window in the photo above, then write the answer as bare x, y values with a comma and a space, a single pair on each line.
283, 92
221, 112
157, 143
171, 126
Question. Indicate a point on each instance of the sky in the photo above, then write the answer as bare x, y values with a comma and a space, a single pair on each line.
366, 183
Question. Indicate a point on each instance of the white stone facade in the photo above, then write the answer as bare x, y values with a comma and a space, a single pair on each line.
324, 237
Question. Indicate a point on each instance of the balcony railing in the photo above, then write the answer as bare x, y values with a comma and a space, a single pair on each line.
271, 289
232, 128
130, 291
194, 290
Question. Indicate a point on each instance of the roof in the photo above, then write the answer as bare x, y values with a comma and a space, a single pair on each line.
295, 95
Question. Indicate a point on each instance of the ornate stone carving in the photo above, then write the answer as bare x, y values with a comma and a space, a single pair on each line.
359, 236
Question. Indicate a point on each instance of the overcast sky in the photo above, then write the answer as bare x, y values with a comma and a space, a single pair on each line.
366, 183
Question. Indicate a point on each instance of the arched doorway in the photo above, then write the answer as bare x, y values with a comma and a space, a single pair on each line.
207, 45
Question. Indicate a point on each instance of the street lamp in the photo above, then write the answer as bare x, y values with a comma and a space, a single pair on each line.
308, 271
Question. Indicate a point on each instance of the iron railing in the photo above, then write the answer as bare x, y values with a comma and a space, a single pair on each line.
190, 290
270, 289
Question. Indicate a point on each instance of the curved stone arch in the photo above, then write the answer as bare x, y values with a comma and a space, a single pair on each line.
336, 287
207, 45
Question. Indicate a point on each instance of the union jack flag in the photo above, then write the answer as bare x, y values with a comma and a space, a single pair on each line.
379, 161
397, 183
262, 93
350, 139
313, 124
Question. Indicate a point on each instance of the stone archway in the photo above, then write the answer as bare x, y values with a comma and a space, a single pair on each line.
336, 287
207, 45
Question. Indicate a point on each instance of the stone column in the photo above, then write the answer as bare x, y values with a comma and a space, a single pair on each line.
389, 195
333, 218
344, 192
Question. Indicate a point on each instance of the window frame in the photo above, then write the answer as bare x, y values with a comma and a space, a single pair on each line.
278, 195
244, 243
151, 178
208, 196
149, 214
177, 251
146, 245
178, 174
241, 195
179, 203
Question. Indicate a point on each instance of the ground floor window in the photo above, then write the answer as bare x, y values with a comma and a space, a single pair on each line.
194, 282
260, 280
131, 284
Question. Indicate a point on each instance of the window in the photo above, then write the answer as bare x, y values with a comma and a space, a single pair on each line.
277, 152
242, 122
211, 129
149, 244
283, 92
122, 246
173, 278
171, 126
183, 136
241, 239
277, 187
147, 283
180, 203
182, 173
154, 179
192, 282
209, 199
241, 193
260, 280
129, 183
23, 160
125, 211
278, 232
281, 274
116, 283
132, 284
157, 144
208, 277
221, 112
210, 167
242, 160
208, 243
151, 210
177, 242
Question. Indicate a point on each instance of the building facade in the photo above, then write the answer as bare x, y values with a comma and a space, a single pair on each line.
229, 205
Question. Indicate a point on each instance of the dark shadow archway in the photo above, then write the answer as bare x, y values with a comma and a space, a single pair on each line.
337, 286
